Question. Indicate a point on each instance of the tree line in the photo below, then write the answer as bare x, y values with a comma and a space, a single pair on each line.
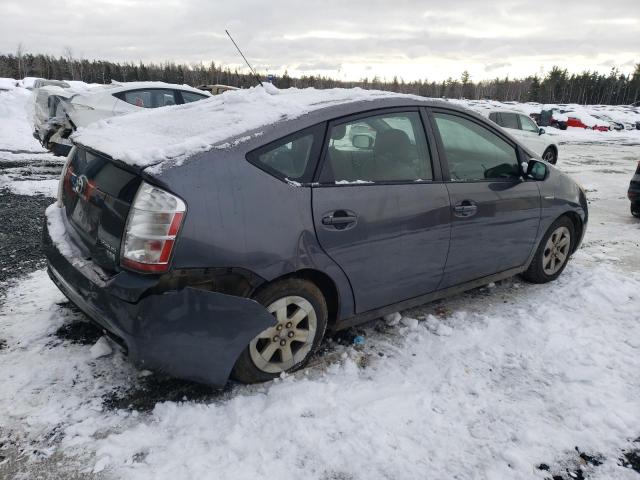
557, 86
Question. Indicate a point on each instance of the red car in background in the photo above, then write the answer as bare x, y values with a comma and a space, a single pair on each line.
576, 122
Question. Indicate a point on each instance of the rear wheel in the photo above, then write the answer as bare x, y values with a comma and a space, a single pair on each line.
553, 252
300, 313
550, 155
635, 210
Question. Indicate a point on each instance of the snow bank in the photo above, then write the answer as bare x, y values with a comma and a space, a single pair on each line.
15, 128
149, 137
489, 391
8, 83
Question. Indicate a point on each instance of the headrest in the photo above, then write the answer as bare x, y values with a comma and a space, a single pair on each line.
338, 132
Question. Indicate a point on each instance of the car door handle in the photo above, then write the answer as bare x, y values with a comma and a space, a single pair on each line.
466, 208
340, 219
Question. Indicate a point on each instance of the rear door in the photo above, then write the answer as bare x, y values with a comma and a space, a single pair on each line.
494, 212
380, 208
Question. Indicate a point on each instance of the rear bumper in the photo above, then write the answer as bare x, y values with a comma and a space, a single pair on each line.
189, 333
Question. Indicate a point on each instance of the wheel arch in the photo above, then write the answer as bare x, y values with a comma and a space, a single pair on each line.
578, 227
321, 280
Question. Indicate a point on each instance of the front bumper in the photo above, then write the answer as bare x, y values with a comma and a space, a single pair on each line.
189, 333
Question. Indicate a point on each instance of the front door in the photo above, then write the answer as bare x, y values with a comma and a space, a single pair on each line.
380, 211
495, 214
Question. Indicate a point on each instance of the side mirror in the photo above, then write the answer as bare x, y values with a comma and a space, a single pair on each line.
362, 141
541, 131
536, 170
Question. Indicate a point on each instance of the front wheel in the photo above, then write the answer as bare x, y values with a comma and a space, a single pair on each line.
300, 317
550, 155
553, 252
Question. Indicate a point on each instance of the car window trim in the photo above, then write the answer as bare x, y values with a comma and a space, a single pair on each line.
440, 146
437, 178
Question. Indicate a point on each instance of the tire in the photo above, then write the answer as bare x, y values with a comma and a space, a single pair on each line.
550, 155
545, 266
285, 299
635, 210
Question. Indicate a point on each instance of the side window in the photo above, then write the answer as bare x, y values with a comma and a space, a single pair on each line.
527, 124
473, 152
382, 148
189, 97
152, 98
290, 158
509, 120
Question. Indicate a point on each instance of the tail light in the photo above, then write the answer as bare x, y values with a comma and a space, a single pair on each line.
153, 224
64, 176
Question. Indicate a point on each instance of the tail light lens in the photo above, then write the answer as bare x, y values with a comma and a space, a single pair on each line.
153, 224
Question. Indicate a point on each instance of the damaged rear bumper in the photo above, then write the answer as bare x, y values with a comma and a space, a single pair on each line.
190, 333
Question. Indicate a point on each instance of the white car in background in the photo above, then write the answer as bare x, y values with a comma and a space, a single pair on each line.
116, 99
123, 98
528, 132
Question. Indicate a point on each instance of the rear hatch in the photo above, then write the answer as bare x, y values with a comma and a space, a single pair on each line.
97, 194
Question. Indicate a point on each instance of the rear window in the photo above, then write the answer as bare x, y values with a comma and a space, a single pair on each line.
148, 98
292, 157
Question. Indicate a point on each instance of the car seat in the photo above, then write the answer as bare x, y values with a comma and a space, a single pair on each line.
394, 156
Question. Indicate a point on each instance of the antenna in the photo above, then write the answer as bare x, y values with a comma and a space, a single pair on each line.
245, 59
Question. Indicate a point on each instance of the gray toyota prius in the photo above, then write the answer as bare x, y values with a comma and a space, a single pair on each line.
232, 258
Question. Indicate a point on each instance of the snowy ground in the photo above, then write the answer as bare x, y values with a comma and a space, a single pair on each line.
508, 381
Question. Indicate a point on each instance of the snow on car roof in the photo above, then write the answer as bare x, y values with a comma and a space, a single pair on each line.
173, 133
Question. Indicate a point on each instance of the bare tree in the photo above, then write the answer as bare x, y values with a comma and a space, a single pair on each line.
68, 55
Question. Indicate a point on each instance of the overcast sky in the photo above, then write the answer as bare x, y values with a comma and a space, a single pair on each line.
347, 39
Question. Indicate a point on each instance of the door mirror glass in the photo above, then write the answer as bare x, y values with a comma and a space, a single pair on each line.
362, 141
537, 170
541, 131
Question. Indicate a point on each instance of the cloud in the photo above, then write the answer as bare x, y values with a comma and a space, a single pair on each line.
495, 66
362, 38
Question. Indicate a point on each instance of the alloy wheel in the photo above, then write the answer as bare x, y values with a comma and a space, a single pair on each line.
549, 156
556, 251
281, 347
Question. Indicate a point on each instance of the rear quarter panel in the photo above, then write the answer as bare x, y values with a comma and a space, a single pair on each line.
239, 216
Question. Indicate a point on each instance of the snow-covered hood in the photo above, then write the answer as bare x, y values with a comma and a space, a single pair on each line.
169, 133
